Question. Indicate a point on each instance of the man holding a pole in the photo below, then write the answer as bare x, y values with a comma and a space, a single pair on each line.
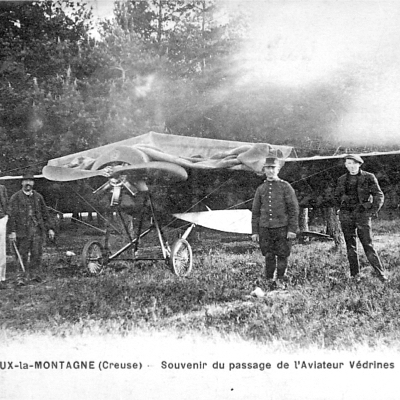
28, 223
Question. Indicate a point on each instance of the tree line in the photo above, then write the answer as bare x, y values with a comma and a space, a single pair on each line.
167, 66
63, 90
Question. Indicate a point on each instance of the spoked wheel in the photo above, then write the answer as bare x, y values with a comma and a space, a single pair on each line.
181, 258
92, 257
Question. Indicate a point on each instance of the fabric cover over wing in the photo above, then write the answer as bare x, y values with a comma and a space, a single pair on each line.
187, 152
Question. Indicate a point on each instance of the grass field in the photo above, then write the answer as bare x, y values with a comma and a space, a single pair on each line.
322, 307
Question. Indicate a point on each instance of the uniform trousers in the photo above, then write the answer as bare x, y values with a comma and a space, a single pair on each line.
276, 247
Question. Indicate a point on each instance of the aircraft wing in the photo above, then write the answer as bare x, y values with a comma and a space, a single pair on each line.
13, 177
341, 156
235, 221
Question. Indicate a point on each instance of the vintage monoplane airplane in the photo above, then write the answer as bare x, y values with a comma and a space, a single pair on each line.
129, 166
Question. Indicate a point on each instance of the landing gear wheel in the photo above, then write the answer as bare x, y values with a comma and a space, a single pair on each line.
181, 258
92, 257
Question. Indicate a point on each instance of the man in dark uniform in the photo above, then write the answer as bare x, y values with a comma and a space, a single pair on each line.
275, 219
28, 223
359, 197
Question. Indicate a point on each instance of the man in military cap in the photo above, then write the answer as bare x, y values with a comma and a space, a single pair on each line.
358, 198
275, 219
28, 222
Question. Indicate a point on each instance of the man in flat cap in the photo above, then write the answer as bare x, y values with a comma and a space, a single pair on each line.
28, 223
275, 220
359, 197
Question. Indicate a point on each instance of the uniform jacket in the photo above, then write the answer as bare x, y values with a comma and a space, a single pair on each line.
18, 213
3, 201
275, 205
370, 195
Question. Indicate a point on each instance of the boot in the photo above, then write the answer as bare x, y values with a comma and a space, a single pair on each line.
282, 267
270, 285
270, 266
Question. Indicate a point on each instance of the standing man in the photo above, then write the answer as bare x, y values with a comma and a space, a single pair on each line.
28, 223
359, 197
3, 224
275, 220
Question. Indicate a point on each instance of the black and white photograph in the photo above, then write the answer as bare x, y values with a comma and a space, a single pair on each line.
199, 199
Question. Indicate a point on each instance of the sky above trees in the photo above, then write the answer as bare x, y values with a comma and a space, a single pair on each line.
304, 43
102, 8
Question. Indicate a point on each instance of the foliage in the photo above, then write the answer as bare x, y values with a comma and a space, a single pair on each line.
63, 91
39, 38
41, 43
193, 47
127, 86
